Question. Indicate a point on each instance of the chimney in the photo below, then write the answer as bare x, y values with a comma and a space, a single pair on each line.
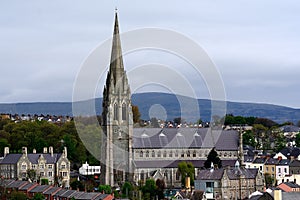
45, 150
6, 151
65, 153
34, 151
277, 195
292, 158
51, 151
24, 150
279, 158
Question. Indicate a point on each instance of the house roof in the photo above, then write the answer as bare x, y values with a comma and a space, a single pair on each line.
87, 195
67, 194
52, 191
17, 184
40, 188
291, 184
11, 159
27, 186
208, 174
290, 151
232, 173
272, 161
259, 160
284, 162
185, 138
290, 128
174, 163
295, 163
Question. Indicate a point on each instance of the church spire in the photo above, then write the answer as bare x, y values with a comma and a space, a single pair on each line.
116, 62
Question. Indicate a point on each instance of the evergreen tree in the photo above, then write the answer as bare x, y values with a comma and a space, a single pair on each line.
213, 158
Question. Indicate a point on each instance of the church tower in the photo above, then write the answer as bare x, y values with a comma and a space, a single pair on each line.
117, 121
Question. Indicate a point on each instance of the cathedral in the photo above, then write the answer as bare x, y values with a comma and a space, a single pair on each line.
135, 154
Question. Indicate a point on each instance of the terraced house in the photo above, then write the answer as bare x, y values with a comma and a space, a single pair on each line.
54, 167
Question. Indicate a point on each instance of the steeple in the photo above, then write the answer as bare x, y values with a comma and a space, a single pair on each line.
116, 68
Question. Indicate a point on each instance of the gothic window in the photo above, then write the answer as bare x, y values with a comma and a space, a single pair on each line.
147, 154
24, 166
182, 154
177, 175
124, 114
142, 175
141, 153
115, 112
194, 153
153, 153
165, 154
158, 154
188, 154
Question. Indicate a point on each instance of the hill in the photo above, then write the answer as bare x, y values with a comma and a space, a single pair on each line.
172, 105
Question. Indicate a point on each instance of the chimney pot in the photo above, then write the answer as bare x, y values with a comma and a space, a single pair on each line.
45, 150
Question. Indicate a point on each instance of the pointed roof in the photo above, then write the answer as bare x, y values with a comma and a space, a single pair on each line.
116, 62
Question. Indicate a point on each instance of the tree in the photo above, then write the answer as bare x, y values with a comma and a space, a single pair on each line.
160, 184
249, 139
149, 188
186, 169
213, 158
126, 189
297, 140
269, 180
16, 195
105, 188
31, 174
265, 122
177, 120
154, 122
136, 114
44, 181
38, 196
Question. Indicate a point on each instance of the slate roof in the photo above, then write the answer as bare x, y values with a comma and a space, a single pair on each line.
208, 174
67, 194
248, 159
52, 191
291, 151
232, 173
295, 163
27, 186
11, 159
6, 182
290, 128
259, 160
291, 184
60, 192
290, 195
174, 163
102, 196
284, 162
33, 157
235, 173
184, 138
39, 188
86, 196
272, 161
14, 158
17, 184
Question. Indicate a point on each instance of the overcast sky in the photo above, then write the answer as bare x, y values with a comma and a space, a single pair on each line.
254, 44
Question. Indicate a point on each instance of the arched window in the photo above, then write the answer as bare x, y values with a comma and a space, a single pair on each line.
141, 153
176, 153
115, 112
124, 113
194, 153
147, 154
158, 154
142, 175
171, 154
153, 153
188, 154
165, 154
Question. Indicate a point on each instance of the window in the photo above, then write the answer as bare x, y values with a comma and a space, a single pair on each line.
115, 112
170, 154
42, 174
49, 166
165, 154
124, 111
41, 166
267, 168
33, 166
260, 168
285, 170
141, 154
153, 154
147, 154
65, 174
194, 153
50, 174
188, 154
24, 167
279, 170
272, 169
177, 175
182, 154
176, 153
142, 175
158, 154
63, 166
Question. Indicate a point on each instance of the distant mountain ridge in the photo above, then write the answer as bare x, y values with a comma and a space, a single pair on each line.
169, 102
